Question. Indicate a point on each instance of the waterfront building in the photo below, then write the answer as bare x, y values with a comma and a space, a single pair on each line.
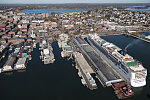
9, 64
21, 63
16, 40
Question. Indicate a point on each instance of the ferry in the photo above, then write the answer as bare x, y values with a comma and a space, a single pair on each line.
130, 69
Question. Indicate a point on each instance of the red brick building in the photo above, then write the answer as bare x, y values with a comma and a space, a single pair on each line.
16, 40
6, 36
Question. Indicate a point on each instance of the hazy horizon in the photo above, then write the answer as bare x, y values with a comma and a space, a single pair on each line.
71, 1
74, 3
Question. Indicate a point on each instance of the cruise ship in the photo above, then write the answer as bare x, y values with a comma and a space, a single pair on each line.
130, 69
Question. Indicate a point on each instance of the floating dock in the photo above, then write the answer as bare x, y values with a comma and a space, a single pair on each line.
104, 71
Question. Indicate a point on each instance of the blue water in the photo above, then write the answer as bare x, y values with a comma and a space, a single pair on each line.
146, 33
134, 6
143, 10
53, 10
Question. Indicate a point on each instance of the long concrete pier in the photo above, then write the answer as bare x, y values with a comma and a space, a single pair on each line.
85, 69
104, 70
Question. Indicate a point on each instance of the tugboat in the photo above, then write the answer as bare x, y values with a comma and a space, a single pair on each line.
122, 90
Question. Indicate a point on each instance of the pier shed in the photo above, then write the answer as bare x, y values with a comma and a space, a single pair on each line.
85, 70
21, 63
9, 64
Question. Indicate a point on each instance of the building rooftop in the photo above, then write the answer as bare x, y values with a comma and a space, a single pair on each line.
10, 61
64, 44
21, 61
15, 38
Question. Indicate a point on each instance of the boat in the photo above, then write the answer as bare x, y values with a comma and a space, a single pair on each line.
34, 45
0, 70
129, 68
122, 90
83, 81
30, 58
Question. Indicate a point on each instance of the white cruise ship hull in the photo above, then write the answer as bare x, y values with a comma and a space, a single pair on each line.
138, 83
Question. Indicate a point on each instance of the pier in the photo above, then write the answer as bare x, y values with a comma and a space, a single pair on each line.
105, 72
9, 64
85, 71
21, 63
47, 55
18, 59
139, 37
3, 51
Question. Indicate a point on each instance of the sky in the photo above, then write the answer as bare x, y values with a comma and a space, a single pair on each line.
69, 1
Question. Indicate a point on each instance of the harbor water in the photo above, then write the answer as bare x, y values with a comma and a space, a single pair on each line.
53, 10
60, 80
140, 50
141, 10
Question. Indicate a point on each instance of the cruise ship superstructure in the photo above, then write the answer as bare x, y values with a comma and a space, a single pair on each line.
129, 68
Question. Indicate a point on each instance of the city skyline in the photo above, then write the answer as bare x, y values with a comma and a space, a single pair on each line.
71, 1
